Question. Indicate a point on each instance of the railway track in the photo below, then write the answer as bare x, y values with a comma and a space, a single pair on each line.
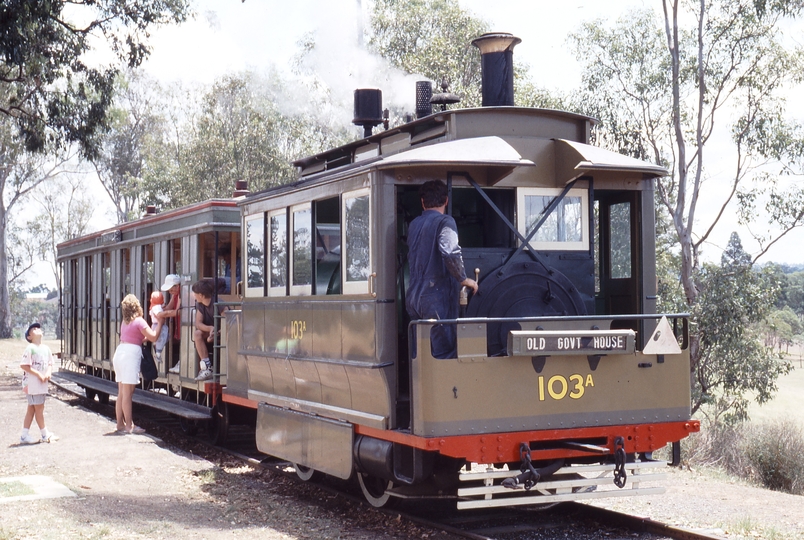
566, 520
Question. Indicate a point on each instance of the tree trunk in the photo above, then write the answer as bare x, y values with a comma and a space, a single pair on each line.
5, 297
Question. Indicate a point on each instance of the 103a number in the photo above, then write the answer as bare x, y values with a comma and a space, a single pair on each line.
297, 329
559, 387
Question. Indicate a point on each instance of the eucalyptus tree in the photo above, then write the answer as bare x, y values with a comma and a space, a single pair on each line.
666, 89
51, 97
136, 116
243, 127
48, 88
20, 173
433, 38
735, 300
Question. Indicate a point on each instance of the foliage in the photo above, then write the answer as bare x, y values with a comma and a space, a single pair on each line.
774, 452
793, 292
733, 362
133, 119
768, 453
236, 132
662, 90
47, 88
20, 173
433, 38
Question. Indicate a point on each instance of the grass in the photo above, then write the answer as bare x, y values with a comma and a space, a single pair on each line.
787, 401
15, 489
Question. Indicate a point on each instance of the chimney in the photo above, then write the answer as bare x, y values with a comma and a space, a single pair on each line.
497, 67
241, 189
150, 210
368, 109
424, 91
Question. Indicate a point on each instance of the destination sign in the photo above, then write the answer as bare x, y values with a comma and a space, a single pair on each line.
587, 342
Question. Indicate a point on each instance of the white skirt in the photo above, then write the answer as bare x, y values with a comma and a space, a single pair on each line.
126, 363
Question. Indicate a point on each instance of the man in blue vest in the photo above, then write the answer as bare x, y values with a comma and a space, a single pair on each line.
436, 268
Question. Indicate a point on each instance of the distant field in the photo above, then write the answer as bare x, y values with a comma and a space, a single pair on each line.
789, 400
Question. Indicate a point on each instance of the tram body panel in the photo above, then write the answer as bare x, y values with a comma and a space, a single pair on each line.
503, 394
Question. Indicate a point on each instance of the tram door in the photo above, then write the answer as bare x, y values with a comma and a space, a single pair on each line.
106, 316
618, 261
89, 311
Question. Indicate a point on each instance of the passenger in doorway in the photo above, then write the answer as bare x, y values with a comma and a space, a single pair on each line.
204, 292
37, 363
436, 268
172, 309
155, 309
133, 333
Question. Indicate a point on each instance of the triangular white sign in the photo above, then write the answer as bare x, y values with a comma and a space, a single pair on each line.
663, 341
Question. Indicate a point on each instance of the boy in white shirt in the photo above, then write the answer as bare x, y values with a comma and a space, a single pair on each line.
37, 363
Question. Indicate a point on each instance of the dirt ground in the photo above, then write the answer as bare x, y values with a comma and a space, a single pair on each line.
137, 486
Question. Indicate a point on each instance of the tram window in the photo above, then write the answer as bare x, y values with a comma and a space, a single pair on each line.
327, 246
302, 263
278, 258
126, 271
255, 255
565, 228
620, 245
175, 248
356, 241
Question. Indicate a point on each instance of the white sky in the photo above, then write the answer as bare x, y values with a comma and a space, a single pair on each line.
233, 35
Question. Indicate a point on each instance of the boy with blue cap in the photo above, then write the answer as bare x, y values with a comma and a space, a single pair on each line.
37, 363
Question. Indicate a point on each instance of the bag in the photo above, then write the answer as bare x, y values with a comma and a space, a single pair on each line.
147, 364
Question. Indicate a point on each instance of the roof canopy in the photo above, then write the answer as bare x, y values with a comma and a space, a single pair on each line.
573, 159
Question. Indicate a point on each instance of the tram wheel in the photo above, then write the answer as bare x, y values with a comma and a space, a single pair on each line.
188, 427
375, 490
307, 474
103, 398
218, 425
90, 393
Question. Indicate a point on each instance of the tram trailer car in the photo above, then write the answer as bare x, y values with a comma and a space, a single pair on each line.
566, 380
194, 242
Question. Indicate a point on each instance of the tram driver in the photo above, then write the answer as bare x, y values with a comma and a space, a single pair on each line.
436, 268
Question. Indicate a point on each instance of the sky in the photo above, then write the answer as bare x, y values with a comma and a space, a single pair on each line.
230, 36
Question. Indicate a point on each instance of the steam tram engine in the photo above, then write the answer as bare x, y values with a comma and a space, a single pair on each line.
565, 381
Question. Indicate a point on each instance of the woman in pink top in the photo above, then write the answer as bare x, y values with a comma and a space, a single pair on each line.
133, 332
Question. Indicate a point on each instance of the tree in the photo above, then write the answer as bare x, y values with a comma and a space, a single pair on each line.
20, 173
133, 119
237, 132
733, 303
665, 92
433, 38
47, 88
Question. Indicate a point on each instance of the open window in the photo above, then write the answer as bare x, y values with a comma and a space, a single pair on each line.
566, 228
356, 241
327, 246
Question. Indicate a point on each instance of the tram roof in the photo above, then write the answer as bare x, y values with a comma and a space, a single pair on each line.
212, 213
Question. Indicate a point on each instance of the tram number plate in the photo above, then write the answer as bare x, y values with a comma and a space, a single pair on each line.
550, 343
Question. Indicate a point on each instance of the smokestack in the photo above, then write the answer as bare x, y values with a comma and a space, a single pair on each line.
368, 109
497, 67
241, 189
424, 91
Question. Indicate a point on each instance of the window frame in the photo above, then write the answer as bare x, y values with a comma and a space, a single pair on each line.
355, 287
281, 290
251, 292
304, 289
582, 193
